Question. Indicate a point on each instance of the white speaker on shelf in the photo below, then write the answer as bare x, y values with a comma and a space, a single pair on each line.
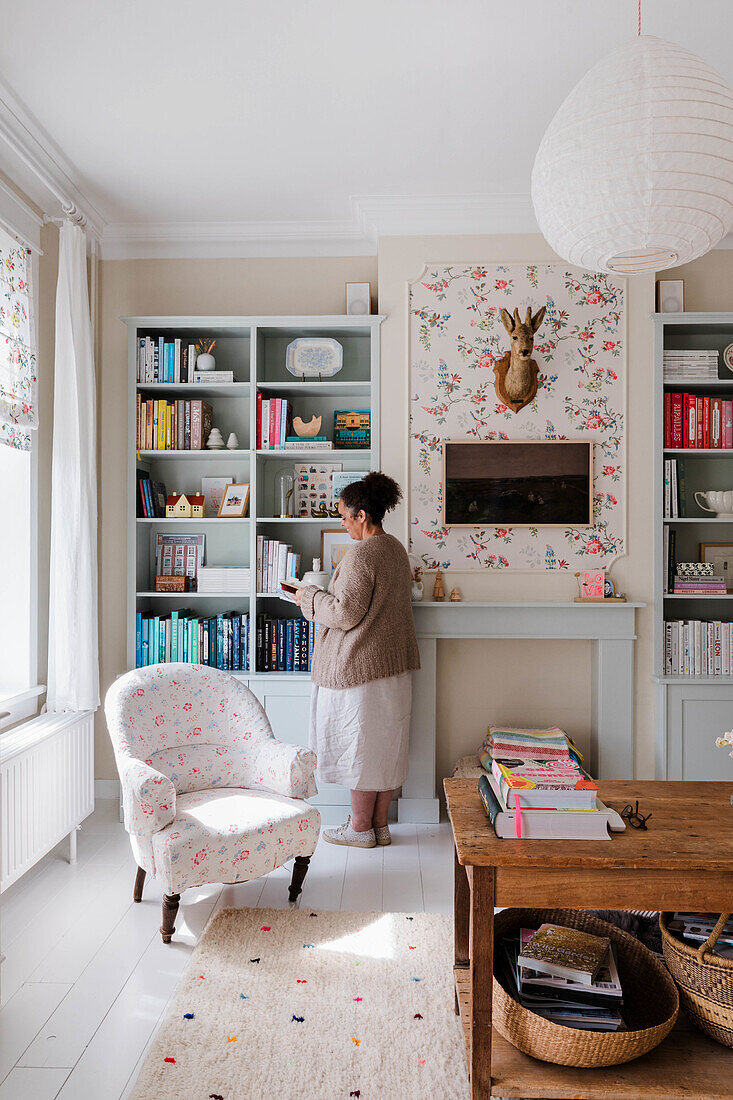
670, 296
359, 299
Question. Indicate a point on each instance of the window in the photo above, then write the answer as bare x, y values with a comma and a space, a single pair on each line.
18, 561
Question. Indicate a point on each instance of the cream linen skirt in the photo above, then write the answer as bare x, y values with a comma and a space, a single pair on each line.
361, 734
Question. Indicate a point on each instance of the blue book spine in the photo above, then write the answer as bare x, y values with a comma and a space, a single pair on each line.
161, 641
138, 638
148, 497
161, 360
174, 635
245, 642
195, 641
143, 644
236, 643
311, 643
219, 642
290, 645
283, 420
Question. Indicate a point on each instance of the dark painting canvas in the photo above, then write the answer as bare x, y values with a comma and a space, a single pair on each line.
505, 484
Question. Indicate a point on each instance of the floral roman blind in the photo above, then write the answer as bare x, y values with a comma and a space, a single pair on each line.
18, 403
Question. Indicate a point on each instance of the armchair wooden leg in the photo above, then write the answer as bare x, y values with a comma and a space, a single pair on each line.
170, 908
300, 870
137, 890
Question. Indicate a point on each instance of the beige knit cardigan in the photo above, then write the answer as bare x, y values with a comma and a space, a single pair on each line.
368, 632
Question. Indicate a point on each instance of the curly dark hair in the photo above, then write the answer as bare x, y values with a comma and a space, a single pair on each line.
375, 494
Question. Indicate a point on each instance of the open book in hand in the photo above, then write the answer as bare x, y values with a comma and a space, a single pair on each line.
289, 587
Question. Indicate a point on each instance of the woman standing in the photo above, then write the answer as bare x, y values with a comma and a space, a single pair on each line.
363, 661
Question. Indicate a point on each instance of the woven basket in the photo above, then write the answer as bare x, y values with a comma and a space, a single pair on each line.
705, 981
651, 1002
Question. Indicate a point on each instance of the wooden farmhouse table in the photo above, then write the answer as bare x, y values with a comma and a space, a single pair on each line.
683, 861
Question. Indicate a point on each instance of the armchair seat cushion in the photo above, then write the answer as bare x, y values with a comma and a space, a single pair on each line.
231, 834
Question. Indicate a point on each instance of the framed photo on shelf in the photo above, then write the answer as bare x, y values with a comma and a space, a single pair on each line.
334, 544
234, 502
214, 488
721, 555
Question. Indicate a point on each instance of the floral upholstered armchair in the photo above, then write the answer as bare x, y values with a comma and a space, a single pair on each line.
209, 795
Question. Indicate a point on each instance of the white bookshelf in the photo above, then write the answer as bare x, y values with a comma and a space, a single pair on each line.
691, 711
254, 348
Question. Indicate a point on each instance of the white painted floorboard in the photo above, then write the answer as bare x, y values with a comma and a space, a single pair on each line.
87, 978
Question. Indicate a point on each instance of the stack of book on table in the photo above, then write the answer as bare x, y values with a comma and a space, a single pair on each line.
231, 579
567, 976
695, 929
535, 788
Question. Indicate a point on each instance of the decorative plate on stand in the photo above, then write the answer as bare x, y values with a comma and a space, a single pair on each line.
314, 357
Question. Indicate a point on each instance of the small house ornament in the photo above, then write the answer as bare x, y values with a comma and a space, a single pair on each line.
438, 589
185, 505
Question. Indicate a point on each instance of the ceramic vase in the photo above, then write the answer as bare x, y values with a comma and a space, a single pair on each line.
205, 362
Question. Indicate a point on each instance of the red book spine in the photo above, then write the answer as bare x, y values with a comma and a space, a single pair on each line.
698, 422
273, 417
668, 420
716, 416
259, 422
677, 417
728, 424
706, 422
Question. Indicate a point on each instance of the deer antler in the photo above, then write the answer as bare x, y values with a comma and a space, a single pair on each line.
528, 318
517, 318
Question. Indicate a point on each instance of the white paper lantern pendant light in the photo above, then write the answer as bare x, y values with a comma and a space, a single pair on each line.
635, 171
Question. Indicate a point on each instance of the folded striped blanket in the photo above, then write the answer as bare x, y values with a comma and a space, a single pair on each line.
551, 744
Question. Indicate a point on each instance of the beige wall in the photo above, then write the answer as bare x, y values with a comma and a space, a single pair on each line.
147, 287
524, 682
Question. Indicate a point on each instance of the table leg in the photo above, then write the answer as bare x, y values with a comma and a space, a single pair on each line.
482, 973
461, 914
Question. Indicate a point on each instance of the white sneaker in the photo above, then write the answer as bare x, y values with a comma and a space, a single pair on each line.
382, 835
344, 834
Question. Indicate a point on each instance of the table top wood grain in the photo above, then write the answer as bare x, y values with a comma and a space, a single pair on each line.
691, 829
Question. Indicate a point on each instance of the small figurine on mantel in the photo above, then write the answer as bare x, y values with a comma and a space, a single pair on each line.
417, 585
455, 595
438, 589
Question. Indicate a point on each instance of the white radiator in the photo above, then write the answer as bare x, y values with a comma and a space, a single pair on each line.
46, 787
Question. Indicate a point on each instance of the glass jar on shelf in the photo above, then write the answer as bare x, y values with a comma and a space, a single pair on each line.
285, 493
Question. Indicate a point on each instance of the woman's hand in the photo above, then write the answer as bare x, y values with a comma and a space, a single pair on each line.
298, 596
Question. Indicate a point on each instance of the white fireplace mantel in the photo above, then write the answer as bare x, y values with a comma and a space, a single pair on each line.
611, 629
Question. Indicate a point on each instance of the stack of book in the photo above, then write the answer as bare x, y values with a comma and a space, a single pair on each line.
698, 420
536, 788
172, 425
284, 645
308, 443
161, 360
276, 561
213, 377
707, 585
566, 976
152, 496
683, 364
695, 928
221, 641
696, 648
231, 579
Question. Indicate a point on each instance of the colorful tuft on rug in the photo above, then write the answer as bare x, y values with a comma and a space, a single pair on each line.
303, 1005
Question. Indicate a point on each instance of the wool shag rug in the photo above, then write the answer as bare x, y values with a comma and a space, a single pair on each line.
290, 1004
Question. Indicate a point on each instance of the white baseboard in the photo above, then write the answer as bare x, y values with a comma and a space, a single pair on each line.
106, 788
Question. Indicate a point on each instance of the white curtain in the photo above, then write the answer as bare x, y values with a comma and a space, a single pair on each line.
73, 663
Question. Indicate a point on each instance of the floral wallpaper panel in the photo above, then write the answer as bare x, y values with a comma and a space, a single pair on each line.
456, 334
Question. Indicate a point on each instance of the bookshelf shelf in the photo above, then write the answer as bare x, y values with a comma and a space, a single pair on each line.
254, 349
690, 710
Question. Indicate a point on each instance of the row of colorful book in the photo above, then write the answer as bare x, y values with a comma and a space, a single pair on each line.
566, 976
698, 420
161, 360
172, 425
221, 641
535, 787
152, 496
284, 645
694, 647
276, 561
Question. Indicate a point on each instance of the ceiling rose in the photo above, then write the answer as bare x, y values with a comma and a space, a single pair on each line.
635, 171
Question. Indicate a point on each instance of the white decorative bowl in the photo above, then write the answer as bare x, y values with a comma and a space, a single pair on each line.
314, 357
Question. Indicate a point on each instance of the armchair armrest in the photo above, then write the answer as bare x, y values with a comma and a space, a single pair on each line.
283, 769
149, 798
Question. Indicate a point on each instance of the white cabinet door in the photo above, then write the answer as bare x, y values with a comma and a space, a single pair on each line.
287, 705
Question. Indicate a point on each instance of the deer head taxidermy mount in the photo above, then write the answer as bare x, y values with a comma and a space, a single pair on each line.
516, 373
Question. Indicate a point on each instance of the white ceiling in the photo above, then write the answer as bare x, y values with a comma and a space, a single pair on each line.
273, 115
